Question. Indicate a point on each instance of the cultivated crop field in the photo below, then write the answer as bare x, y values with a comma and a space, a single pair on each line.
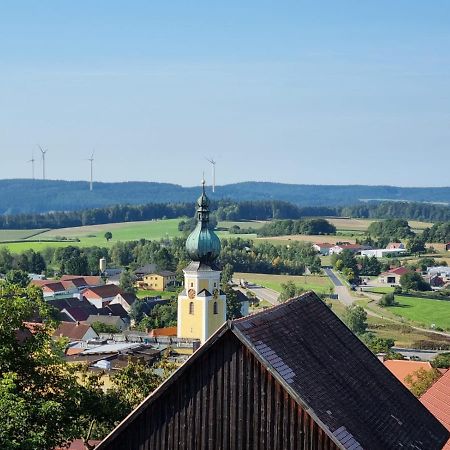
321, 284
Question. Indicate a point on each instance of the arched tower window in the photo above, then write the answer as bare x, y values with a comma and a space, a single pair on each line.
215, 308
191, 308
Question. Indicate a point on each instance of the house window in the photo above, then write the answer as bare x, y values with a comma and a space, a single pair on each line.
192, 284
191, 308
215, 308
215, 284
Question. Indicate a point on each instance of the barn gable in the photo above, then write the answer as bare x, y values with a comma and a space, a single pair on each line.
288, 378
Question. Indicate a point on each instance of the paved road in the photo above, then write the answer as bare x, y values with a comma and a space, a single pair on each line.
263, 293
269, 295
340, 289
334, 279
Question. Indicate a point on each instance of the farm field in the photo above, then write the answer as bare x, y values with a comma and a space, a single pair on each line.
244, 224
423, 311
16, 235
284, 240
317, 283
92, 235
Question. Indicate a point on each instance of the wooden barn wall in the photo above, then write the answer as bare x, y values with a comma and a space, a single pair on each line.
225, 401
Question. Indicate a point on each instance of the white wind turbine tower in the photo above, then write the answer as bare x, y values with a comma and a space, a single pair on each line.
213, 164
43, 161
91, 159
32, 160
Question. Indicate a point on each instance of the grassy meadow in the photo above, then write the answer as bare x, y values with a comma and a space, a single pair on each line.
423, 311
320, 284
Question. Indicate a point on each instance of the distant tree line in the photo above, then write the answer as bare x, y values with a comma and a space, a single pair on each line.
224, 210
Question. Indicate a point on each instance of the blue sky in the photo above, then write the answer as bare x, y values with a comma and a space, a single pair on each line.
326, 92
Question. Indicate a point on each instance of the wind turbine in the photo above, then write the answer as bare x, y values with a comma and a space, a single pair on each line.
213, 164
91, 159
43, 161
32, 160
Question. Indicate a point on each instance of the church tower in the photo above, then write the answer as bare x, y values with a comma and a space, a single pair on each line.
201, 305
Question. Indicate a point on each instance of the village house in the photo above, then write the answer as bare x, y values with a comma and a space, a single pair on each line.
291, 377
158, 281
392, 276
323, 248
75, 331
354, 248
447, 246
395, 246
140, 272
101, 295
113, 321
125, 300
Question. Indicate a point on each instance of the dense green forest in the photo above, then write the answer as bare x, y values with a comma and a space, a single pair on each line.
36, 196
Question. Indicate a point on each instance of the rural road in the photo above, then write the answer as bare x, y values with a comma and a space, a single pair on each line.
340, 289
263, 293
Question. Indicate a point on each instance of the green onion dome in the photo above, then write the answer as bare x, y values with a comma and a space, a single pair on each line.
203, 244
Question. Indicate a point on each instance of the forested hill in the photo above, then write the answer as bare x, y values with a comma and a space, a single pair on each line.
26, 196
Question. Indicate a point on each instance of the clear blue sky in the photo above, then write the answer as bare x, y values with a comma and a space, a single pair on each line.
327, 92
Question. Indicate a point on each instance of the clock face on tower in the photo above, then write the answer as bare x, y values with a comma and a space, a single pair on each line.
191, 293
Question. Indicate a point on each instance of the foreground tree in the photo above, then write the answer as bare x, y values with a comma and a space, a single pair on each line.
37, 390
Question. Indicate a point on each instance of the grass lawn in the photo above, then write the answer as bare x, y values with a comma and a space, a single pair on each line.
141, 293
316, 283
423, 311
380, 290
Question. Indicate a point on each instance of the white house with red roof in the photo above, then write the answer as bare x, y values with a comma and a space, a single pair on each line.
354, 248
100, 296
323, 248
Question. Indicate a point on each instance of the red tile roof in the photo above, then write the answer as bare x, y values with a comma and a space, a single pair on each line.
437, 401
88, 280
402, 368
167, 331
105, 291
397, 271
325, 244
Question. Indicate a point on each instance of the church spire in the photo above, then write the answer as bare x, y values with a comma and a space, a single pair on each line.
203, 244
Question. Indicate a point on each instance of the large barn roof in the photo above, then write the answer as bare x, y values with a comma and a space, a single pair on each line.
329, 372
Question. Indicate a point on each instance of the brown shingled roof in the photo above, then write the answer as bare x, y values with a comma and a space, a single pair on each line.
72, 330
327, 370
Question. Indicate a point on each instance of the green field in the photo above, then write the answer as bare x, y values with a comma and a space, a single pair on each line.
423, 311
320, 284
92, 235
16, 235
